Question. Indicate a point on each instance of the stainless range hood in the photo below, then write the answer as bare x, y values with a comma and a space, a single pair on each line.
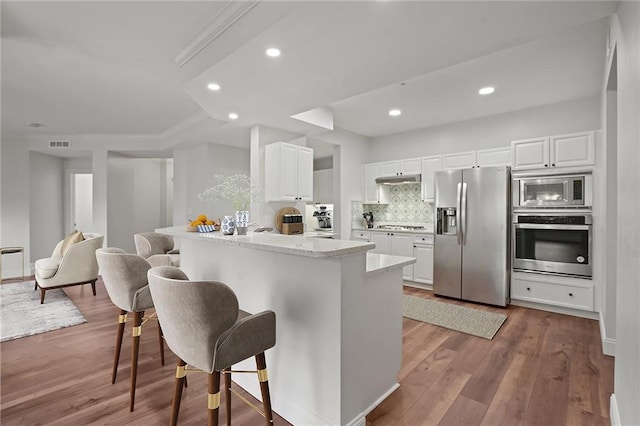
396, 180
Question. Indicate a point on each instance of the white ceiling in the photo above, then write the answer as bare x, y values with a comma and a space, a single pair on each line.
86, 68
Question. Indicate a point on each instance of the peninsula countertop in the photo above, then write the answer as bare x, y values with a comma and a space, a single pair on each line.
290, 244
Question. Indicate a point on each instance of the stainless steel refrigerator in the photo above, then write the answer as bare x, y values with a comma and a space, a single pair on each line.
472, 259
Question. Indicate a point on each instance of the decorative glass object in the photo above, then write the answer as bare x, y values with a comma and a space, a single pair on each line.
242, 221
228, 226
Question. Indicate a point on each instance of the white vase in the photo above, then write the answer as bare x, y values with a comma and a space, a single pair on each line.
228, 226
242, 221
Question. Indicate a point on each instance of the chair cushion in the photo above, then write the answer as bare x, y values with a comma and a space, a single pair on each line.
69, 240
46, 268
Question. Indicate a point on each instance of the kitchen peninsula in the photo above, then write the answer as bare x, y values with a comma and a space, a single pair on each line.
338, 317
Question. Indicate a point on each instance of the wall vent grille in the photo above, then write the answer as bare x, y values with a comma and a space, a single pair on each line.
59, 144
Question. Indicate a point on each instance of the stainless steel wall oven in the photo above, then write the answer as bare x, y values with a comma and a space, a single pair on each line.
553, 243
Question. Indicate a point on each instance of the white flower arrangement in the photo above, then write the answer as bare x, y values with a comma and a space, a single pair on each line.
238, 190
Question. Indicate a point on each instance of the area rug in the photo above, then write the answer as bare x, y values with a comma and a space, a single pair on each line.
466, 320
21, 313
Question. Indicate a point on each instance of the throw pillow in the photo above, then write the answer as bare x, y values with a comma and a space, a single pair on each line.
69, 240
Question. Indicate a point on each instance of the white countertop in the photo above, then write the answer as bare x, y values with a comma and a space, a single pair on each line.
385, 262
428, 229
320, 234
300, 245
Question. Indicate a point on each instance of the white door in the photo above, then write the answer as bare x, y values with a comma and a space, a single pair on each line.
423, 268
82, 202
402, 245
430, 165
530, 154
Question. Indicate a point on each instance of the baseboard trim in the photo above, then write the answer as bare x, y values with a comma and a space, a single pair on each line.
361, 420
608, 345
614, 414
556, 309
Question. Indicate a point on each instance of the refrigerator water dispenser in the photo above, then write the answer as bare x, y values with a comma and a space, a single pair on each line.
447, 221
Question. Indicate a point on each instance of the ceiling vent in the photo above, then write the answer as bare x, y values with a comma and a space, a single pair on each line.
59, 144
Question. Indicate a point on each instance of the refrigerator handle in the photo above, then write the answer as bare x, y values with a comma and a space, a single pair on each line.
463, 214
458, 210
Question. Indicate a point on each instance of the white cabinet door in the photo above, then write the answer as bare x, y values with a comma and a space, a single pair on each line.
402, 245
430, 165
374, 193
383, 242
371, 172
576, 149
305, 174
390, 168
288, 172
423, 268
410, 166
459, 160
493, 157
530, 154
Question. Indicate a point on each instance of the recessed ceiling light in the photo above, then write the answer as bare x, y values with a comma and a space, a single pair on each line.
35, 125
394, 112
486, 90
233, 116
273, 52
213, 86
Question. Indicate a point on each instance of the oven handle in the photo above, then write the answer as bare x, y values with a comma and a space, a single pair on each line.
560, 227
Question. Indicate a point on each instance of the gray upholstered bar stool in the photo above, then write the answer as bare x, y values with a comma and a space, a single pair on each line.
204, 327
153, 243
125, 278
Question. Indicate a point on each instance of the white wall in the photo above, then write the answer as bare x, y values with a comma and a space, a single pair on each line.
489, 132
261, 136
137, 198
626, 30
46, 203
14, 181
348, 154
194, 168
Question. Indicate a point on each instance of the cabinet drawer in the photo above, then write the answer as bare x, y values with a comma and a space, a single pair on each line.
553, 294
361, 235
423, 239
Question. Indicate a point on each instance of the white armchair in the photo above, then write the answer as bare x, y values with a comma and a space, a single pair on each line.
77, 266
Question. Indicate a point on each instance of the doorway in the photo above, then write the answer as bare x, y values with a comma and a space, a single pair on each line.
81, 208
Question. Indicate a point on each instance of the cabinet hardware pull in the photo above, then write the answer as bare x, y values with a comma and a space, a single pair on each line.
528, 288
554, 164
571, 294
546, 165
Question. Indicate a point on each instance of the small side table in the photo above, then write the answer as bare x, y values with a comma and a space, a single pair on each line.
11, 250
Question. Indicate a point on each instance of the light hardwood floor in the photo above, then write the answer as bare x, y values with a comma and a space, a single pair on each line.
541, 368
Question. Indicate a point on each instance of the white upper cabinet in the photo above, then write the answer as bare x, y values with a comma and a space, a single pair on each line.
374, 193
430, 165
459, 160
410, 166
288, 172
530, 153
576, 149
493, 157
323, 186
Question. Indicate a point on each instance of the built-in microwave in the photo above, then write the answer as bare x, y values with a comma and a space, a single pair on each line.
552, 191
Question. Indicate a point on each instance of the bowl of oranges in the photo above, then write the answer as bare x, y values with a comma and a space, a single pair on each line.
203, 224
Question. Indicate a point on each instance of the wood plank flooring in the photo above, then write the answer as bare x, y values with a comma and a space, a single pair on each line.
541, 368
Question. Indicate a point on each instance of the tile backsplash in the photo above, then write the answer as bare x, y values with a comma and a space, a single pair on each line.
405, 206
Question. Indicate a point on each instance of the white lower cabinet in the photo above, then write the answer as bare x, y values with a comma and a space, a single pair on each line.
395, 244
557, 291
423, 268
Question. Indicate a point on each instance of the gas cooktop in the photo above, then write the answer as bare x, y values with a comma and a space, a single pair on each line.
399, 227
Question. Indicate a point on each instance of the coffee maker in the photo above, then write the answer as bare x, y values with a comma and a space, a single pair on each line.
368, 218
323, 215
